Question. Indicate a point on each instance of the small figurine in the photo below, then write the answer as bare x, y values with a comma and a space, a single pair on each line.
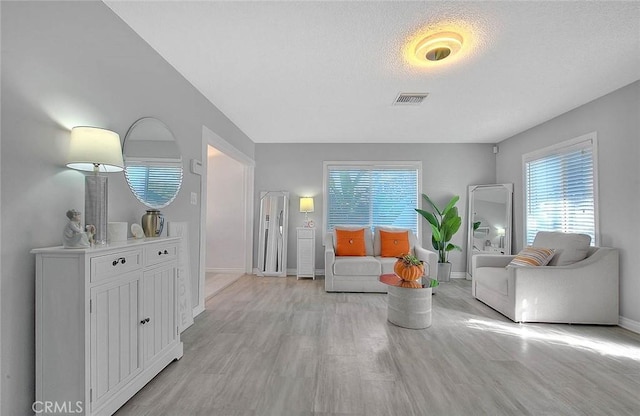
74, 236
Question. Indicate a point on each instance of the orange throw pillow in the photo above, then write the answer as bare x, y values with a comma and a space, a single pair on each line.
350, 243
394, 244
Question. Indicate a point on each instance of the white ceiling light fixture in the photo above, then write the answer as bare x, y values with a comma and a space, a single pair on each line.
438, 46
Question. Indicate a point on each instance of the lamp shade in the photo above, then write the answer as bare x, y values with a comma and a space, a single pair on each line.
91, 146
306, 204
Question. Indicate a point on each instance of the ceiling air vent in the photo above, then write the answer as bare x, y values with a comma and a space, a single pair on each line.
413, 98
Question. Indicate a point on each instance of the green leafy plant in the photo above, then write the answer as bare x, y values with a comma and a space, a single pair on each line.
410, 260
444, 224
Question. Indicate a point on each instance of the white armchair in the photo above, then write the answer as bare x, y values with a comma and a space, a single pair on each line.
584, 292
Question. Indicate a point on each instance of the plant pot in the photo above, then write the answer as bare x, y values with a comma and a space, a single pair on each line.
444, 272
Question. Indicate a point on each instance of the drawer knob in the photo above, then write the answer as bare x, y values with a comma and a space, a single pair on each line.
144, 321
160, 253
119, 260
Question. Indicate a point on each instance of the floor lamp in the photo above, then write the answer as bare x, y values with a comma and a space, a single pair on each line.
95, 150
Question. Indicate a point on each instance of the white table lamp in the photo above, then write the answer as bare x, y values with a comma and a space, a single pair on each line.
306, 206
96, 150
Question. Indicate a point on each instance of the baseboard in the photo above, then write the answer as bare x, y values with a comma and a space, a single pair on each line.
458, 275
293, 272
198, 310
290, 272
223, 270
631, 325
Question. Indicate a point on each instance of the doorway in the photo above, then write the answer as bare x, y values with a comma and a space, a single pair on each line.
225, 260
226, 220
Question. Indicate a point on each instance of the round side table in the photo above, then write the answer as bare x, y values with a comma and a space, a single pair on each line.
408, 307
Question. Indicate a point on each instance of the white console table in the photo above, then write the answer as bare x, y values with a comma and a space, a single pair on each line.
306, 259
106, 321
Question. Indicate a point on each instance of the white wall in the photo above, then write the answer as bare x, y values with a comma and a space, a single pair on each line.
67, 64
447, 170
225, 213
615, 117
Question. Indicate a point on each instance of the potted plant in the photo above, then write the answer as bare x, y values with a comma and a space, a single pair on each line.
444, 224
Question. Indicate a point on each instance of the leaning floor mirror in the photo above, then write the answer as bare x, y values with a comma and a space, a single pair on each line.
489, 220
272, 235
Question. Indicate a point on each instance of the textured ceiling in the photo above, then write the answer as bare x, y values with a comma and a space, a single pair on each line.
327, 72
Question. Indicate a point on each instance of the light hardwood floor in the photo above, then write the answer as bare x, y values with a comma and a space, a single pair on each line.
281, 346
216, 282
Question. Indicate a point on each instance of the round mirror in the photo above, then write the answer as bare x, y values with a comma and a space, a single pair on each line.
152, 163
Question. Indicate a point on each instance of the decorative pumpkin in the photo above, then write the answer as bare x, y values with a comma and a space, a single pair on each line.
408, 268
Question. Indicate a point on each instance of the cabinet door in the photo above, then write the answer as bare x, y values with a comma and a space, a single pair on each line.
305, 259
306, 252
115, 336
158, 300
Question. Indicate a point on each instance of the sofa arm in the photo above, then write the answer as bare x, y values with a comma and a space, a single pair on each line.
490, 260
583, 292
329, 259
429, 258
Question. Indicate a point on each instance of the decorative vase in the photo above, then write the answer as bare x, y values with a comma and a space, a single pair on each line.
152, 223
408, 272
444, 272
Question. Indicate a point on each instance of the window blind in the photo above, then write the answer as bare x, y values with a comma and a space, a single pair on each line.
372, 195
560, 191
155, 185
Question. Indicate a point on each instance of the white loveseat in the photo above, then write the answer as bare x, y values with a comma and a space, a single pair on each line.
361, 273
568, 290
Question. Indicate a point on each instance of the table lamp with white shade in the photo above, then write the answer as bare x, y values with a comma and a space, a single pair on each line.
306, 206
95, 150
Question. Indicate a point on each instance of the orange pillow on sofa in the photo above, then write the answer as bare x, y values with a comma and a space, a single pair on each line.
350, 243
394, 244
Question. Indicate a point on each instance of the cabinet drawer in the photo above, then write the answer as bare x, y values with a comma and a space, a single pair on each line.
103, 267
160, 253
302, 233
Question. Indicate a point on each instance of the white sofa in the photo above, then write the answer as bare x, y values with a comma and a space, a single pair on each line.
582, 292
362, 273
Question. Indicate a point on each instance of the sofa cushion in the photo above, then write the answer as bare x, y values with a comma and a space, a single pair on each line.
377, 246
350, 243
532, 256
356, 266
394, 244
386, 264
493, 278
570, 247
368, 238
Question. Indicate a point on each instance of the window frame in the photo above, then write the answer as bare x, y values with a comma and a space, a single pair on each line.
555, 149
413, 164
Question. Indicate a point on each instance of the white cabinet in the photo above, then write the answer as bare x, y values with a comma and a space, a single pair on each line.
159, 329
106, 322
306, 261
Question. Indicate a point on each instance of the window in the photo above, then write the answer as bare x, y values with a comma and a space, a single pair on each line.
154, 184
560, 189
371, 194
